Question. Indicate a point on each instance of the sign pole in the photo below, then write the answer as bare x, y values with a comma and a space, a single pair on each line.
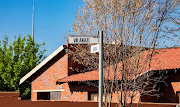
96, 40
100, 68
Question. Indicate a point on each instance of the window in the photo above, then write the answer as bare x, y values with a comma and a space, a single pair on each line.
93, 96
43, 96
54, 95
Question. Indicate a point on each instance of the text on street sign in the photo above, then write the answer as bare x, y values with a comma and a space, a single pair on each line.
83, 39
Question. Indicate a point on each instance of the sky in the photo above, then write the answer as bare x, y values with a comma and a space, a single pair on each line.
53, 18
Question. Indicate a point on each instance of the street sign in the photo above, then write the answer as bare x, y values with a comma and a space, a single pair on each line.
95, 48
83, 39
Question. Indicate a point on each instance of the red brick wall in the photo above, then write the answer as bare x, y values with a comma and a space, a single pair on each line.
69, 95
76, 91
74, 67
116, 97
46, 77
176, 86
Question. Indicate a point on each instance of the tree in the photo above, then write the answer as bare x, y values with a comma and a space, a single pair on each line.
133, 29
16, 60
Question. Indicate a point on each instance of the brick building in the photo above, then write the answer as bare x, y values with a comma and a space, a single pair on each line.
53, 80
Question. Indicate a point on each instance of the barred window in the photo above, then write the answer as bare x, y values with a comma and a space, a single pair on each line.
54, 95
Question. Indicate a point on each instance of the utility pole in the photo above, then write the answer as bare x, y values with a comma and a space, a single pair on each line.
33, 23
100, 68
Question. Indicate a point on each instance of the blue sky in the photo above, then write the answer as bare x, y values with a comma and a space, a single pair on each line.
53, 18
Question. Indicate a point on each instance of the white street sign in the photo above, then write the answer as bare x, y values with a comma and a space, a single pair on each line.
95, 48
83, 39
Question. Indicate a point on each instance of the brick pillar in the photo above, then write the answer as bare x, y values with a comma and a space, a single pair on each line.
34, 96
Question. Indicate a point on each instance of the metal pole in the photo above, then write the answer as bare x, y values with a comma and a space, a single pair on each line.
33, 23
100, 69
